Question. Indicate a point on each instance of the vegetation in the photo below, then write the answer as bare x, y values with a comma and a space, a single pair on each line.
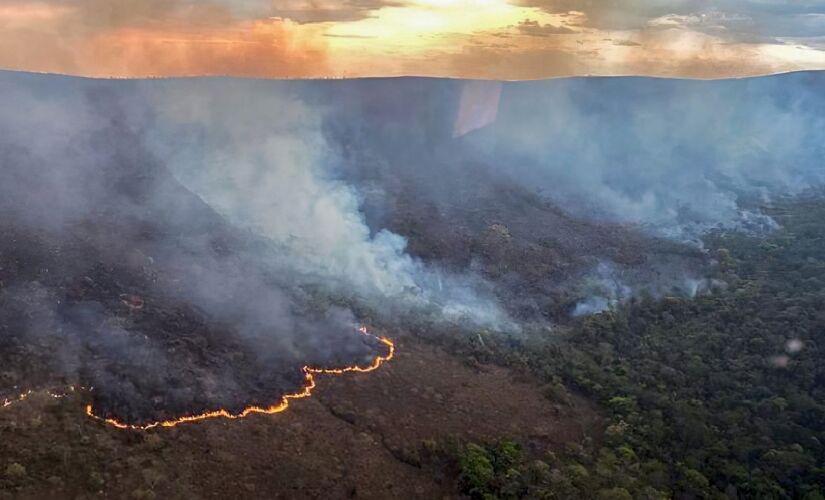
721, 396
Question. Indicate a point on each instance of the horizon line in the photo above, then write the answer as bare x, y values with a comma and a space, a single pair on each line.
411, 76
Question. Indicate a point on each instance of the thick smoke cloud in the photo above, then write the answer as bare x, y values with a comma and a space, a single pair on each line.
266, 217
257, 154
114, 276
675, 157
187, 245
668, 158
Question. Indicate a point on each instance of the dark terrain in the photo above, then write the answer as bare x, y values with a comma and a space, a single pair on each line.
360, 436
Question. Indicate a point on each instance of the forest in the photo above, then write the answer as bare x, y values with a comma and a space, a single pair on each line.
719, 396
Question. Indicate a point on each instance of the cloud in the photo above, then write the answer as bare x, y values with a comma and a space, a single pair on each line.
269, 48
153, 37
713, 20
626, 43
615, 14
325, 11
84, 16
317, 38
534, 28
740, 20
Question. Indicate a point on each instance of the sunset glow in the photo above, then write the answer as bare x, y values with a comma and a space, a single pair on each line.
507, 39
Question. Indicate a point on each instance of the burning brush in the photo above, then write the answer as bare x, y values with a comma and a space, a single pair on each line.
282, 405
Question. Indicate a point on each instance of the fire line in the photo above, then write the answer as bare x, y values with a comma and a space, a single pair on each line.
306, 391
25, 395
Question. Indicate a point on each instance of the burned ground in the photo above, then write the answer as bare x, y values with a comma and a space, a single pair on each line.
360, 436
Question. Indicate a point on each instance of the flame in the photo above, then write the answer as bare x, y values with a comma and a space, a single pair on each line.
25, 395
305, 392
22, 397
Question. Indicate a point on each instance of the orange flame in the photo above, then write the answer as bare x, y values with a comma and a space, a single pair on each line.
305, 392
25, 395
22, 397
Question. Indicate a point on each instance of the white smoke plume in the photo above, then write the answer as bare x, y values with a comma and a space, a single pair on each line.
675, 157
257, 155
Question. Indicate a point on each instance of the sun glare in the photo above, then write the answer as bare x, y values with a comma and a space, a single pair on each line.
427, 22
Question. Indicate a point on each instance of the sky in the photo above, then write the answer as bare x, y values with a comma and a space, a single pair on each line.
492, 39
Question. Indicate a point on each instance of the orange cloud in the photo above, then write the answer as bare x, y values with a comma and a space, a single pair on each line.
497, 39
20, 15
270, 48
154, 38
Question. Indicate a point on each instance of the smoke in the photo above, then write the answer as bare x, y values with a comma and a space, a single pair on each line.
674, 157
257, 154
608, 286
671, 159
114, 276
605, 289
220, 234
670, 156
188, 247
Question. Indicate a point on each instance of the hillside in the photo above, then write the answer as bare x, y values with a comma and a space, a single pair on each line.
435, 288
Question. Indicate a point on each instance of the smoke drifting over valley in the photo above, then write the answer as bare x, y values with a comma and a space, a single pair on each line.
627, 173
139, 288
185, 245
183, 248
675, 157
260, 159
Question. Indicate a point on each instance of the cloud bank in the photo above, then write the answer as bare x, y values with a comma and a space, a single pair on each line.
493, 39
